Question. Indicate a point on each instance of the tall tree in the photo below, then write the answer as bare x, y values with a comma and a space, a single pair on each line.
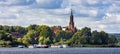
104, 37
46, 32
29, 38
86, 31
65, 35
96, 38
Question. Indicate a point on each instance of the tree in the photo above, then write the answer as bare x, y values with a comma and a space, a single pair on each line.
77, 39
6, 28
46, 33
99, 37
19, 29
104, 37
41, 39
6, 38
29, 38
2, 35
31, 27
86, 31
1, 27
5, 43
11, 29
83, 39
19, 40
65, 35
112, 40
96, 38
47, 41
60, 34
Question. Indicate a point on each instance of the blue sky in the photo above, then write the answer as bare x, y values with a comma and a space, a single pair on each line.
96, 14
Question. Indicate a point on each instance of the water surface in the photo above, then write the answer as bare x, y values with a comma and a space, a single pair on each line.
60, 51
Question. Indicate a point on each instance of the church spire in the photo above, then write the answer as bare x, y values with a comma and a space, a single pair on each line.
71, 23
71, 12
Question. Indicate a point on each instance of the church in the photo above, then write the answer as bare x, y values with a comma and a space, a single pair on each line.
70, 27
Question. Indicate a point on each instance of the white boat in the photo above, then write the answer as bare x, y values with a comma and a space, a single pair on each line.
59, 46
41, 46
54, 46
65, 46
31, 46
21, 46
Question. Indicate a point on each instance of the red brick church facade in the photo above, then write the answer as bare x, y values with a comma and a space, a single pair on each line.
70, 27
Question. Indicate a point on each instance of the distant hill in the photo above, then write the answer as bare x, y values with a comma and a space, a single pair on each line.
116, 35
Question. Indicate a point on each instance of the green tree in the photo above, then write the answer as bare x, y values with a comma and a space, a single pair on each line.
86, 31
19, 29
65, 35
32, 27
76, 39
83, 39
46, 33
95, 38
104, 37
1, 27
41, 39
29, 38
112, 40
6, 38
99, 37
47, 41
19, 40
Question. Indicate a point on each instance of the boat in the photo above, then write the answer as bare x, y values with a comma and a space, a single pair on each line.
59, 46
31, 46
54, 46
41, 46
65, 46
21, 46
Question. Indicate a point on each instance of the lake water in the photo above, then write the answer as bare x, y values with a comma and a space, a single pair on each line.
60, 51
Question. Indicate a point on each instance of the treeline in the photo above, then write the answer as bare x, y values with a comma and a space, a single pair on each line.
86, 37
35, 34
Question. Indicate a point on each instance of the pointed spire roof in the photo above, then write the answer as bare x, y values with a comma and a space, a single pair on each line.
71, 12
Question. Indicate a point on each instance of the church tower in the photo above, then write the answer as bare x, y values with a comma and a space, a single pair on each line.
71, 23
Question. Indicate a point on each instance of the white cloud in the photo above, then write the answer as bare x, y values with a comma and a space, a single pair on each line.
91, 2
46, 12
102, 27
11, 2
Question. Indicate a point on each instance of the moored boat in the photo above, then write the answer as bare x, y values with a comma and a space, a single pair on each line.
31, 46
21, 46
59, 46
54, 46
44, 46
41, 46
65, 46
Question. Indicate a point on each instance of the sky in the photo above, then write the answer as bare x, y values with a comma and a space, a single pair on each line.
96, 14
